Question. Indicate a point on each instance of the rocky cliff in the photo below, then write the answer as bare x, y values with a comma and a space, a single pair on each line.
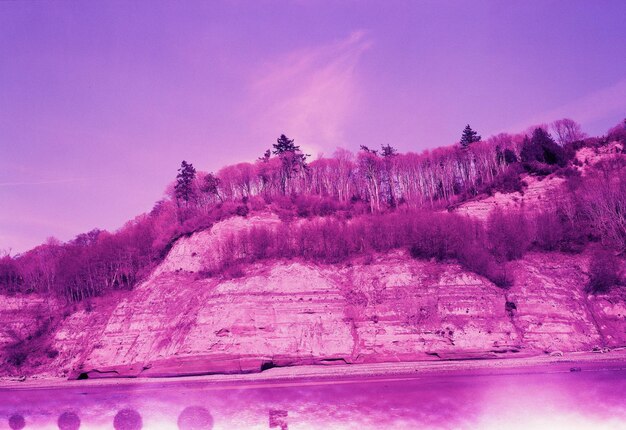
381, 308
538, 192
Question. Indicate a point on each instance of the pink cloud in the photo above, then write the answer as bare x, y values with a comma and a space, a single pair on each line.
310, 93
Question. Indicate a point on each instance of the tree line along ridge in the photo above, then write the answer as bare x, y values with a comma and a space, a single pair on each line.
350, 204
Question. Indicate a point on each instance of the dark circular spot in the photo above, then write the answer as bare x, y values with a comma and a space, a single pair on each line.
127, 419
68, 421
195, 418
17, 422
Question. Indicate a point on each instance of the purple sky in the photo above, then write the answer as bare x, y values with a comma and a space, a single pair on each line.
99, 102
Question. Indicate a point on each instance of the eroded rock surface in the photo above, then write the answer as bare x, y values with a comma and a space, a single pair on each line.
384, 308
21, 316
537, 194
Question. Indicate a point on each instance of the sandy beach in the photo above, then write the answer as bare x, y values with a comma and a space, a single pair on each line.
295, 375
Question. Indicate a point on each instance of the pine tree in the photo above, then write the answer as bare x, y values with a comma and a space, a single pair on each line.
543, 149
292, 159
389, 151
369, 151
184, 182
284, 144
468, 137
266, 156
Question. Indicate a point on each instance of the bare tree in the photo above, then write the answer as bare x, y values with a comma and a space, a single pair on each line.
567, 131
603, 200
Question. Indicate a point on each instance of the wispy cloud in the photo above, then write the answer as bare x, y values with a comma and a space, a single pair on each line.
53, 181
310, 93
42, 182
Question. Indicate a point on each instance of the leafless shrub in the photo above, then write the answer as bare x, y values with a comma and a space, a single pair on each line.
604, 272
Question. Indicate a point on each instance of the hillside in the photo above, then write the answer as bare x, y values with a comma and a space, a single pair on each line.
539, 191
384, 308
528, 262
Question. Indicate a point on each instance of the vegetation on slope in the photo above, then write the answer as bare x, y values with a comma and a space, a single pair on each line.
351, 204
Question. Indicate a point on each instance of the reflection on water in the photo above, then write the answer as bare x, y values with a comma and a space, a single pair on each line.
195, 417
17, 422
127, 419
68, 421
562, 400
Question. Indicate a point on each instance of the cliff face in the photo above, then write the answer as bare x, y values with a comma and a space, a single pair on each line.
536, 194
376, 309
539, 192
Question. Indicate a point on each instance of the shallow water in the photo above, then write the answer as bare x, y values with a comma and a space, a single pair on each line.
591, 399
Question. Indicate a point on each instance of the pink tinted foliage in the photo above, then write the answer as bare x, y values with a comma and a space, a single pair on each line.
11, 278
549, 230
618, 134
602, 200
508, 181
604, 272
444, 237
508, 234
566, 131
346, 205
